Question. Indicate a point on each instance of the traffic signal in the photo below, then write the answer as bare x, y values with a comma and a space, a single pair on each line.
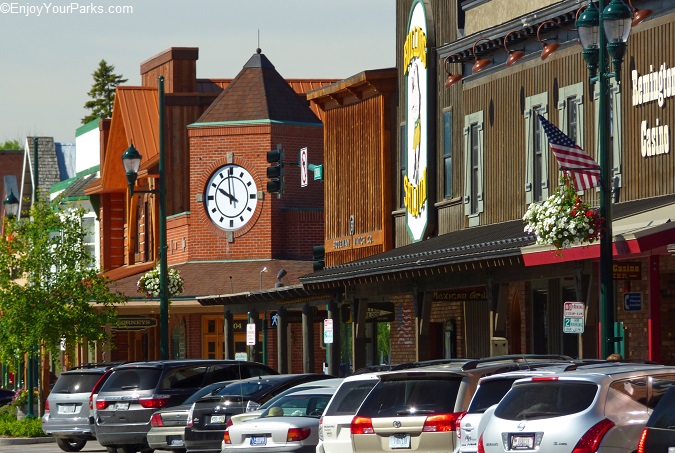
275, 172
318, 255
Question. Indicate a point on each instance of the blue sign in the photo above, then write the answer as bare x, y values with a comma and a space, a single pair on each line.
632, 301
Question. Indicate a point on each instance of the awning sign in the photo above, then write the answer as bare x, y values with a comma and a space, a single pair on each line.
134, 323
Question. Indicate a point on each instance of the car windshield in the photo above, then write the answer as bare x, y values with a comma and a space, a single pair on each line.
546, 399
298, 406
489, 393
132, 379
76, 383
209, 389
416, 396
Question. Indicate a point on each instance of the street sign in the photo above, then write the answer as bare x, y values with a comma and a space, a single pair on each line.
573, 325
303, 167
327, 331
632, 301
573, 317
250, 334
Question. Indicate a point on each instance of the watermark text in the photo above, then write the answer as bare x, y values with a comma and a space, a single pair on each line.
51, 8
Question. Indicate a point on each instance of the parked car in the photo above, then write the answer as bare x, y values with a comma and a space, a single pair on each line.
67, 407
334, 425
418, 409
597, 408
290, 425
248, 415
658, 436
134, 391
209, 415
167, 426
6, 396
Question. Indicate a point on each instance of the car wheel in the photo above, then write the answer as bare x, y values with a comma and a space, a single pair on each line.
128, 449
70, 444
111, 449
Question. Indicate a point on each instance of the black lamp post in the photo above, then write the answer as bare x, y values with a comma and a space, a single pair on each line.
132, 161
616, 20
11, 204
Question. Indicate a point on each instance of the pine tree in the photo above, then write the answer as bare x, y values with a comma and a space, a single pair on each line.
102, 92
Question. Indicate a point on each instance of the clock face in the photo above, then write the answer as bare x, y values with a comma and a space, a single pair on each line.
231, 197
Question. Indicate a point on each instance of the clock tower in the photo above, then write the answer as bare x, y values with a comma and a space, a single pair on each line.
232, 217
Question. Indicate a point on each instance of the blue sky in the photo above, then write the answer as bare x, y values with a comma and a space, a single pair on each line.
49, 49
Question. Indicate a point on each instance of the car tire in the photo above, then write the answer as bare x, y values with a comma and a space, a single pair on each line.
69, 445
128, 449
111, 449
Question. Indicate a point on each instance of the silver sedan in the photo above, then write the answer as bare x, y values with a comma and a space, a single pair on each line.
289, 425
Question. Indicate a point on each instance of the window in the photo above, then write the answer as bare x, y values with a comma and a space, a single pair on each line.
447, 154
614, 145
473, 167
570, 107
402, 159
536, 155
89, 241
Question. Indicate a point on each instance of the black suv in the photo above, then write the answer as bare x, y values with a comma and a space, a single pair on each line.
210, 414
134, 391
67, 408
658, 435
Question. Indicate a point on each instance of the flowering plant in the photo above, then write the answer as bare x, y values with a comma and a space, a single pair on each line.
563, 220
149, 283
20, 398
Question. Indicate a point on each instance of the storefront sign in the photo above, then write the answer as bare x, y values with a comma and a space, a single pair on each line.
354, 241
627, 271
655, 86
134, 323
632, 301
415, 182
475, 293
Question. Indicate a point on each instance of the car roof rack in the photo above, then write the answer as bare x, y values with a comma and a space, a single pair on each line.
89, 365
603, 362
516, 358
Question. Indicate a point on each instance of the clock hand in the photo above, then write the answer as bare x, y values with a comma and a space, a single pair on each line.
230, 196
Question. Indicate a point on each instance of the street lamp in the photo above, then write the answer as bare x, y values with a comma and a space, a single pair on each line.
132, 161
264, 269
616, 21
11, 204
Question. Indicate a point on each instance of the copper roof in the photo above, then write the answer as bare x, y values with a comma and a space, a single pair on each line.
258, 92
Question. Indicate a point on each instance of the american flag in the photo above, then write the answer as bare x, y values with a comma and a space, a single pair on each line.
571, 157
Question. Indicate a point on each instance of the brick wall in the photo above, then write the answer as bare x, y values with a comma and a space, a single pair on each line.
442, 312
402, 330
177, 233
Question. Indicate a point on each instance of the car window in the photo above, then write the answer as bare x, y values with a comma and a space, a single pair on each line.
244, 388
286, 392
298, 406
546, 399
184, 377
489, 393
255, 370
411, 396
349, 397
659, 386
635, 389
132, 379
204, 391
76, 383
228, 372
664, 415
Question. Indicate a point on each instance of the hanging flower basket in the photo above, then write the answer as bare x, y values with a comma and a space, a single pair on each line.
148, 284
563, 220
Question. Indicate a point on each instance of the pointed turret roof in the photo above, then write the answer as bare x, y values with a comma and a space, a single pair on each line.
257, 93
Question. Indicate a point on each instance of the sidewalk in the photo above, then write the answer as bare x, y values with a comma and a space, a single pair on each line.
25, 440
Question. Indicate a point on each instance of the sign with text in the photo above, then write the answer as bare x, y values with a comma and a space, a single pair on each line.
303, 167
328, 331
250, 334
473, 293
134, 323
632, 301
627, 271
573, 317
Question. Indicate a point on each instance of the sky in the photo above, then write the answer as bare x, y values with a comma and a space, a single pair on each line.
50, 49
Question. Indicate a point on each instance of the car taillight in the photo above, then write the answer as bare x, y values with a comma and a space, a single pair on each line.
362, 425
321, 428
480, 446
459, 425
101, 404
297, 434
590, 442
643, 440
190, 413
96, 387
91, 402
442, 422
229, 423
226, 437
156, 420
154, 401
47, 406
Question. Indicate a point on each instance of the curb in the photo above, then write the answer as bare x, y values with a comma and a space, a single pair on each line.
25, 440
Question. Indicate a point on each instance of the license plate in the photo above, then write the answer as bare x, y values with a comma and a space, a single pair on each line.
215, 419
399, 441
175, 442
67, 409
121, 406
522, 442
258, 440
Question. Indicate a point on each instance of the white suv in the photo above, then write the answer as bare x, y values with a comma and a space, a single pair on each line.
596, 408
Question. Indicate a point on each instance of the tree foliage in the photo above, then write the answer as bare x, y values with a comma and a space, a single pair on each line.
102, 92
49, 293
10, 145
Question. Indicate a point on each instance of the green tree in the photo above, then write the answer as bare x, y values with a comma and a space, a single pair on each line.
10, 145
102, 92
49, 292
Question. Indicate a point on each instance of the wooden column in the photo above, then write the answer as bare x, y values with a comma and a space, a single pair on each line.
422, 307
307, 339
359, 310
228, 334
282, 340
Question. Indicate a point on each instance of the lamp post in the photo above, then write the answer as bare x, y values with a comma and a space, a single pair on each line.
11, 204
615, 19
132, 161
